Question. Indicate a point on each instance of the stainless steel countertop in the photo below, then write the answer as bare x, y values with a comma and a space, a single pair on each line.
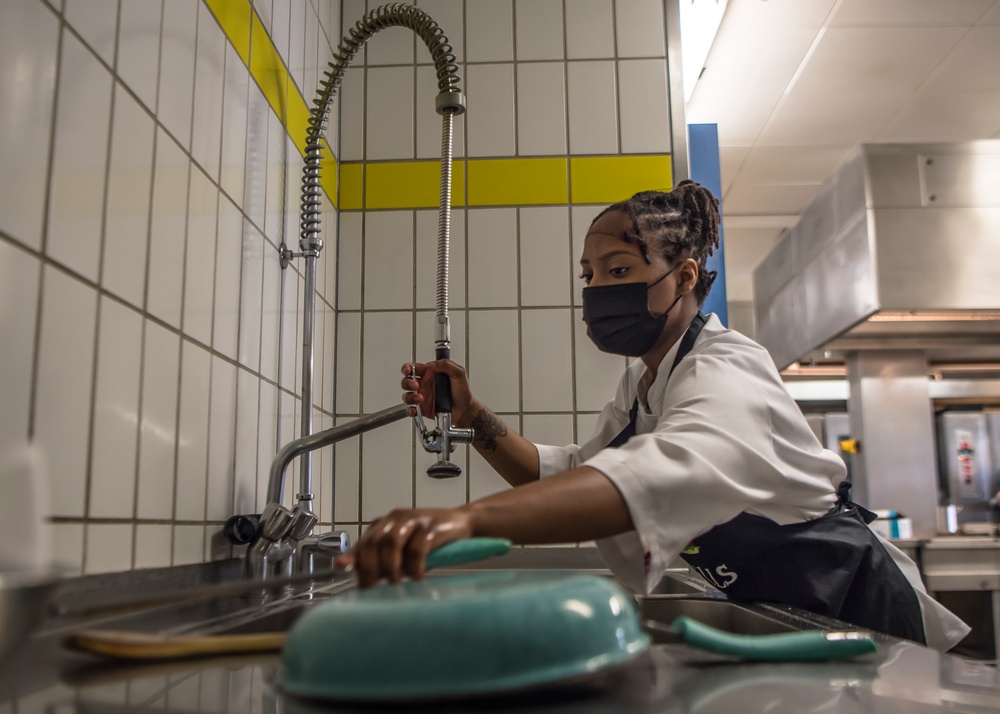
901, 677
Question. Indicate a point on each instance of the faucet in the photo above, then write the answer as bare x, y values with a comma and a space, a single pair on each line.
283, 538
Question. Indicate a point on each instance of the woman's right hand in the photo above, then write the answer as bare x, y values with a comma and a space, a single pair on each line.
418, 385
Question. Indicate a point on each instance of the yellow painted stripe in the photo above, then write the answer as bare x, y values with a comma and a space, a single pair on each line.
517, 182
246, 32
409, 184
607, 179
351, 187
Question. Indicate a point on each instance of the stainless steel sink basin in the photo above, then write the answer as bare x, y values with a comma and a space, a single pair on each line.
721, 614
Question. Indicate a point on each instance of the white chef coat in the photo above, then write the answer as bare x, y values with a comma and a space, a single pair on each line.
721, 436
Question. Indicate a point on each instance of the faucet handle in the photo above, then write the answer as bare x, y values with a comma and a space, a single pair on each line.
333, 543
275, 522
303, 521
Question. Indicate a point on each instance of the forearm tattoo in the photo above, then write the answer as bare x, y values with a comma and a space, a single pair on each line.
488, 428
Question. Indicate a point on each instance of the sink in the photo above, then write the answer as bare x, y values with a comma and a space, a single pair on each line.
721, 614
682, 583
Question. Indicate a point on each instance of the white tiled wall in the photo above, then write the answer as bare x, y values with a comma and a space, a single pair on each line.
542, 78
146, 185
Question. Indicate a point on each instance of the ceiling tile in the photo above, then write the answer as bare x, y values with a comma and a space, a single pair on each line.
974, 66
730, 160
794, 164
764, 199
910, 13
993, 18
876, 59
744, 249
831, 119
946, 116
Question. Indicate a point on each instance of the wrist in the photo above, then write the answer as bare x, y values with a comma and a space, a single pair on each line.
463, 419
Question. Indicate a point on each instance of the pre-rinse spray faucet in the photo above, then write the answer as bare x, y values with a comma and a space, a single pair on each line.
277, 536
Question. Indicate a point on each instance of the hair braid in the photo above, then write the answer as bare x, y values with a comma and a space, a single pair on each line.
683, 223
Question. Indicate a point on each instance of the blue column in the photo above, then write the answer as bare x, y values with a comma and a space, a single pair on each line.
703, 145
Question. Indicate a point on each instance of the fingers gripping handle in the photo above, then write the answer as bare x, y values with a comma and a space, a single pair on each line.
444, 437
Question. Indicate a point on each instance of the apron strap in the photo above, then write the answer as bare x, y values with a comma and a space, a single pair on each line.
844, 503
687, 343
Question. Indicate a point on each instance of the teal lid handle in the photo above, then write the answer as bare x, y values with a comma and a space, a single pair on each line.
809, 646
466, 551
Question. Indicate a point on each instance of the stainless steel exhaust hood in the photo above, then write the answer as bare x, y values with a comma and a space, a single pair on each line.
901, 250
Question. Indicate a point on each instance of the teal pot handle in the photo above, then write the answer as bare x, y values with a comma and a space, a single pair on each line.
808, 646
466, 551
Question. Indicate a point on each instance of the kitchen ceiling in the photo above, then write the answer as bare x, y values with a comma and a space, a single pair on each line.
793, 85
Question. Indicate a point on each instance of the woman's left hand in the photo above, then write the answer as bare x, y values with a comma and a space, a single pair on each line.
398, 544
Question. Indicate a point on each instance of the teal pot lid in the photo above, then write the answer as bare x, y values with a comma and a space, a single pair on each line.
458, 636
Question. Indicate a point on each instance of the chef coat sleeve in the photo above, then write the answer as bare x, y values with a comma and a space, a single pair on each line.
710, 457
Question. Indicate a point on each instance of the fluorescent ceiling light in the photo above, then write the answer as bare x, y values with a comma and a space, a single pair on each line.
700, 20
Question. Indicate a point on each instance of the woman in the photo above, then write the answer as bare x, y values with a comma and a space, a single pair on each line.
701, 452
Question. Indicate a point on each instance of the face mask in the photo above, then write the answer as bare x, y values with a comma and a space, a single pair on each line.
618, 318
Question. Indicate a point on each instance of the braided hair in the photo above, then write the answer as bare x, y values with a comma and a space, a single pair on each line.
683, 223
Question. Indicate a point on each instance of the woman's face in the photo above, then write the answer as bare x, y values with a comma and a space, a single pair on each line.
607, 260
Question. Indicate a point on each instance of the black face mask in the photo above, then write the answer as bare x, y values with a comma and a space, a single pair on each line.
618, 318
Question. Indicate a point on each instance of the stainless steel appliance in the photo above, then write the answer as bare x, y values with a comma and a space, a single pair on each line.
969, 460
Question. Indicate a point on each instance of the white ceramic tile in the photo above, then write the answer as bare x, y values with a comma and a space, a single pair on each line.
639, 28
546, 360
427, 247
152, 545
393, 45
425, 345
234, 125
228, 259
277, 160
296, 44
62, 401
251, 292
450, 16
644, 112
388, 248
280, 15
209, 82
541, 109
493, 358
349, 254
139, 48
490, 116
28, 40
590, 29
319, 357
329, 255
323, 480
483, 480
189, 544
116, 412
348, 376
597, 373
492, 257
67, 548
311, 61
580, 219
247, 420
291, 330
217, 546
546, 265
192, 435
164, 292
78, 169
177, 54
221, 440
429, 126
270, 314
388, 342
555, 429
329, 367
593, 109
352, 115
109, 548
255, 186
19, 275
267, 447
157, 428
293, 197
387, 469
201, 256
288, 429
96, 21
389, 113
489, 30
440, 493
129, 181
538, 29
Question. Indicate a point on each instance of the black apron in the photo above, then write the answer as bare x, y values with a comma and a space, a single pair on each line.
833, 565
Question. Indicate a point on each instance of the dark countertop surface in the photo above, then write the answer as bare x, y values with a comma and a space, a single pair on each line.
46, 677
